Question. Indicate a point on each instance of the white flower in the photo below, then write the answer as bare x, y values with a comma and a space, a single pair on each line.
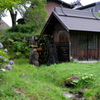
2, 69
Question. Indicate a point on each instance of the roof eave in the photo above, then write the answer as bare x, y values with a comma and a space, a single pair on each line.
56, 16
46, 23
60, 21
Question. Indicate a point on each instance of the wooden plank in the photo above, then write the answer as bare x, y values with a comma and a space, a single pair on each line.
63, 51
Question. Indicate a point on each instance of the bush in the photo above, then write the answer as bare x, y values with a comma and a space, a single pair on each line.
85, 80
22, 29
18, 47
4, 61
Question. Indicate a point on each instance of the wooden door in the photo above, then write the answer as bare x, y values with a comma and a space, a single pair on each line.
88, 47
63, 50
62, 42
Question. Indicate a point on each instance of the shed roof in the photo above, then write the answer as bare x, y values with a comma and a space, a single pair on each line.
78, 20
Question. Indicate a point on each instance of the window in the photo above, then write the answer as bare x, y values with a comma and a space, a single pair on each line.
88, 42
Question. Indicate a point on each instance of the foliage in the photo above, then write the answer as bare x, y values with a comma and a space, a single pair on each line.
8, 3
84, 80
4, 61
21, 48
16, 44
22, 29
87, 80
36, 14
10, 6
36, 17
91, 94
46, 82
2, 14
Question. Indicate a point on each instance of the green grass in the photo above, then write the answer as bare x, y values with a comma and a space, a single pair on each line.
46, 82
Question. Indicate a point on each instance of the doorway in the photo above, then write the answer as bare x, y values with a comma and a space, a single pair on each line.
62, 42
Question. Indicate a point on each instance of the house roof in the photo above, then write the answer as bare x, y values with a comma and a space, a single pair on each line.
78, 20
61, 2
3, 25
93, 6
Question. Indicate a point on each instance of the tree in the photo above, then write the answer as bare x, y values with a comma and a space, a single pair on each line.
9, 5
36, 14
15, 6
6, 4
2, 14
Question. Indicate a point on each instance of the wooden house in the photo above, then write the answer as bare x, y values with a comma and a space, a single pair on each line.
51, 4
76, 34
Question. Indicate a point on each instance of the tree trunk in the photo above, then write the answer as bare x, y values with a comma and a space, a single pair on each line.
13, 17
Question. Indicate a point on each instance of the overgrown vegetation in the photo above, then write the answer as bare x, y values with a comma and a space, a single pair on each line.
5, 63
16, 44
28, 82
35, 15
22, 29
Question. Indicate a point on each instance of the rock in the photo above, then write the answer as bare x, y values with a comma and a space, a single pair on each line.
80, 94
74, 96
69, 95
24, 75
70, 81
83, 90
34, 56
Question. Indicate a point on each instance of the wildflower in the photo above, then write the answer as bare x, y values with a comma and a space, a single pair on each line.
6, 50
1, 45
11, 62
5, 60
9, 67
3, 70
0, 56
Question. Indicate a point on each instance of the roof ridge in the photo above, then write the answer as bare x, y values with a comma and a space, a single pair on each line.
76, 13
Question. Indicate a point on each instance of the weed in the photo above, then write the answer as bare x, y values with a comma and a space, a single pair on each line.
45, 82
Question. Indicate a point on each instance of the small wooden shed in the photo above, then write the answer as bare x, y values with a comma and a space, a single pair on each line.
75, 33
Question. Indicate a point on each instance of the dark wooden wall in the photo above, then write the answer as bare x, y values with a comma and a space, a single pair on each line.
57, 31
83, 54
73, 39
62, 41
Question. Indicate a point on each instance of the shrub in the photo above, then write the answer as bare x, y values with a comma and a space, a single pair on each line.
5, 63
22, 29
18, 47
85, 80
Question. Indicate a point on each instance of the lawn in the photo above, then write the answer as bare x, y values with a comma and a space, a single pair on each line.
28, 82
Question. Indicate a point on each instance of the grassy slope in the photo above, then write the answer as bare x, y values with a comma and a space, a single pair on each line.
45, 82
